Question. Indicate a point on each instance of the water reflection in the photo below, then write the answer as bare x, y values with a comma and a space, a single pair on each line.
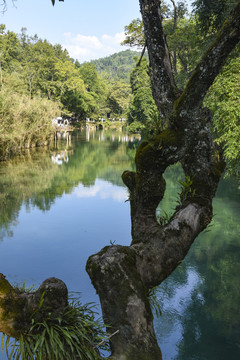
53, 217
60, 157
175, 298
41, 176
121, 137
200, 300
103, 189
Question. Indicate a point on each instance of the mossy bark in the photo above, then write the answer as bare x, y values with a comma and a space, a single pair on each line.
123, 276
18, 308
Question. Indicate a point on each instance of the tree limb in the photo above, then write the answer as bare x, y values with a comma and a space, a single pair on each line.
142, 54
163, 84
207, 70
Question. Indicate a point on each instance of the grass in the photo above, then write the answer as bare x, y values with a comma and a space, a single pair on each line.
74, 335
24, 121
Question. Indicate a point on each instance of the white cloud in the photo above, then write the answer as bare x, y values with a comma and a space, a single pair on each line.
113, 40
85, 48
103, 189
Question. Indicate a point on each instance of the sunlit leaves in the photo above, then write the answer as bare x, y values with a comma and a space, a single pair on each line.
134, 34
119, 97
143, 108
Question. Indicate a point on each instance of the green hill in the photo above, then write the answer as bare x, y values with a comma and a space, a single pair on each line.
117, 66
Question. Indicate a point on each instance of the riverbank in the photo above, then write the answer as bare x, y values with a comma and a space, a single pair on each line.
24, 122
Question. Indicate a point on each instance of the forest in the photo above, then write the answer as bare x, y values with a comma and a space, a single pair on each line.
182, 95
40, 81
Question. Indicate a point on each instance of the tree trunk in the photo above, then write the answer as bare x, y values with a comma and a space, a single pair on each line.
123, 275
18, 308
175, 19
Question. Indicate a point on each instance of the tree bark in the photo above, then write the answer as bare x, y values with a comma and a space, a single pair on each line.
123, 275
18, 308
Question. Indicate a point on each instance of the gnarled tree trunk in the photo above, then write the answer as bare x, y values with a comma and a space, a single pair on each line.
123, 275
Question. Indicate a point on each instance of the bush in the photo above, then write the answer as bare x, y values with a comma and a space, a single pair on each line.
24, 121
136, 126
75, 335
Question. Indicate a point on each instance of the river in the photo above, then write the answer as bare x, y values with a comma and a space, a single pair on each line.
62, 204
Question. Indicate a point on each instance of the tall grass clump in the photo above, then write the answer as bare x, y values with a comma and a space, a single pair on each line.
74, 335
24, 121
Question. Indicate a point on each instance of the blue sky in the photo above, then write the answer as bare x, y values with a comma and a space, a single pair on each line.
88, 29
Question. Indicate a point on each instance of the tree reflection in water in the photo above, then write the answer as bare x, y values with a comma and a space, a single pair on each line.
59, 214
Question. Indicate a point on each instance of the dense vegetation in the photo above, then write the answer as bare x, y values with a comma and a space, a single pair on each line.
117, 66
52, 76
39, 81
188, 37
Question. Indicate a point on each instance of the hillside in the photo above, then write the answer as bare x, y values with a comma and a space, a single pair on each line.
117, 66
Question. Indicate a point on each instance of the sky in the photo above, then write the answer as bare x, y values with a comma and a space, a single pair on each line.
88, 29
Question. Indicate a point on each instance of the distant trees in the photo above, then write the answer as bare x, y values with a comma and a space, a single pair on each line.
35, 67
44, 74
117, 66
119, 98
42, 69
143, 112
38, 81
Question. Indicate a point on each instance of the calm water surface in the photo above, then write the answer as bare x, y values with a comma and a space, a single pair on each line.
60, 205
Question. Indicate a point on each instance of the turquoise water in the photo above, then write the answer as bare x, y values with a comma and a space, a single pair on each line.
60, 205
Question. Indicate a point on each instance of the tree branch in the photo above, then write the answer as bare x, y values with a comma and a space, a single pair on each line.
163, 84
207, 70
142, 54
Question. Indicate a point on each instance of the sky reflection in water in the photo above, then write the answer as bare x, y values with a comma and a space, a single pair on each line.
55, 212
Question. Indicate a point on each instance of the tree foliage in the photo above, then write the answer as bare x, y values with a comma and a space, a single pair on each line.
224, 101
134, 34
143, 109
212, 13
186, 45
116, 67
119, 98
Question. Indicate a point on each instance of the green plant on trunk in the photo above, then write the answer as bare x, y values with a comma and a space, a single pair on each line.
186, 189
